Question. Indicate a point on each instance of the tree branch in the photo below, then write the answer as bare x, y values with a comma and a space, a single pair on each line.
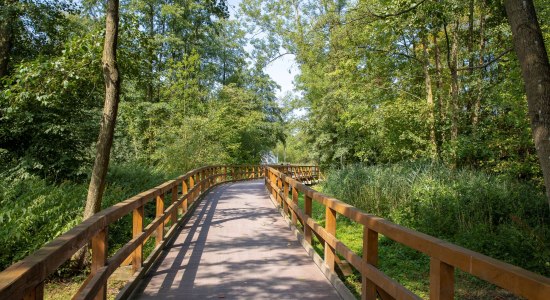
396, 13
368, 48
488, 63
277, 57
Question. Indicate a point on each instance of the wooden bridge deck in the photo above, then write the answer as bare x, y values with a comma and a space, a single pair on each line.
236, 245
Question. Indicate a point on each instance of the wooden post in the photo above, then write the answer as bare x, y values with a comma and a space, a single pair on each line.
201, 181
183, 193
370, 256
206, 184
266, 177
99, 259
159, 213
280, 188
308, 209
330, 227
225, 173
285, 193
442, 280
191, 186
295, 201
272, 179
36, 293
174, 217
137, 229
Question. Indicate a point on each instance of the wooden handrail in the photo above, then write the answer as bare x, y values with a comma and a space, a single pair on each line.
25, 279
444, 256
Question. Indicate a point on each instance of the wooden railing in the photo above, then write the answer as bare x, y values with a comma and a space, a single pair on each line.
25, 279
444, 256
304, 174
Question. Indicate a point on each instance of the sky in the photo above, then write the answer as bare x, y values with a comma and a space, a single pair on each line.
282, 70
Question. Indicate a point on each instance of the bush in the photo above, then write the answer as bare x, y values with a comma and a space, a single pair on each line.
495, 215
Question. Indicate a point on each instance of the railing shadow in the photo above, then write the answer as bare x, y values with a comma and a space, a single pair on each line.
260, 265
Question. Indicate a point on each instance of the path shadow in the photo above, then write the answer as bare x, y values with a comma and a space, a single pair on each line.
252, 254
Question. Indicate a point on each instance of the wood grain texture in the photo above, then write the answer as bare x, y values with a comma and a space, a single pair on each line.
236, 246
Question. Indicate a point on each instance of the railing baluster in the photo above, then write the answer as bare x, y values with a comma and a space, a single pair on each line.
370, 256
225, 173
285, 193
273, 182
330, 226
99, 259
442, 280
174, 217
35, 294
159, 213
308, 207
137, 229
280, 188
183, 193
295, 201
191, 186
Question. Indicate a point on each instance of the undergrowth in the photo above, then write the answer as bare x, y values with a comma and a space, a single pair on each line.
497, 216
34, 211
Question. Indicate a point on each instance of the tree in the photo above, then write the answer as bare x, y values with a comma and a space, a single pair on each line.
535, 69
108, 121
7, 19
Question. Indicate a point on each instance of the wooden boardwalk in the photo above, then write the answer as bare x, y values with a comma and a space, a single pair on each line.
236, 246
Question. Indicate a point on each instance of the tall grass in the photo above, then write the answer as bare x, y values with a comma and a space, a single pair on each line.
497, 216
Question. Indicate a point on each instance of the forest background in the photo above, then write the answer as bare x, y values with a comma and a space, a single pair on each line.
418, 107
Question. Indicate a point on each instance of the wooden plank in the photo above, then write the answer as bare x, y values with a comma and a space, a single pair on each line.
191, 186
442, 278
99, 258
184, 191
370, 256
295, 201
159, 213
308, 207
330, 227
174, 216
137, 229
35, 293
285, 197
285, 260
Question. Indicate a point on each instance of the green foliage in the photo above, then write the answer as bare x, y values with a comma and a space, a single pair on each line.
364, 77
497, 216
50, 111
34, 211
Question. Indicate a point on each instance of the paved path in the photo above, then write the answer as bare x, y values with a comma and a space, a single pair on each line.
236, 246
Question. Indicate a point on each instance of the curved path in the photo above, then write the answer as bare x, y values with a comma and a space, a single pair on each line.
236, 246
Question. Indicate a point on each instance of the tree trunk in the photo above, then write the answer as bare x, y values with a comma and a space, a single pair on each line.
481, 61
535, 70
439, 92
429, 97
150, 51
112, 95
453, 67
7, 20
